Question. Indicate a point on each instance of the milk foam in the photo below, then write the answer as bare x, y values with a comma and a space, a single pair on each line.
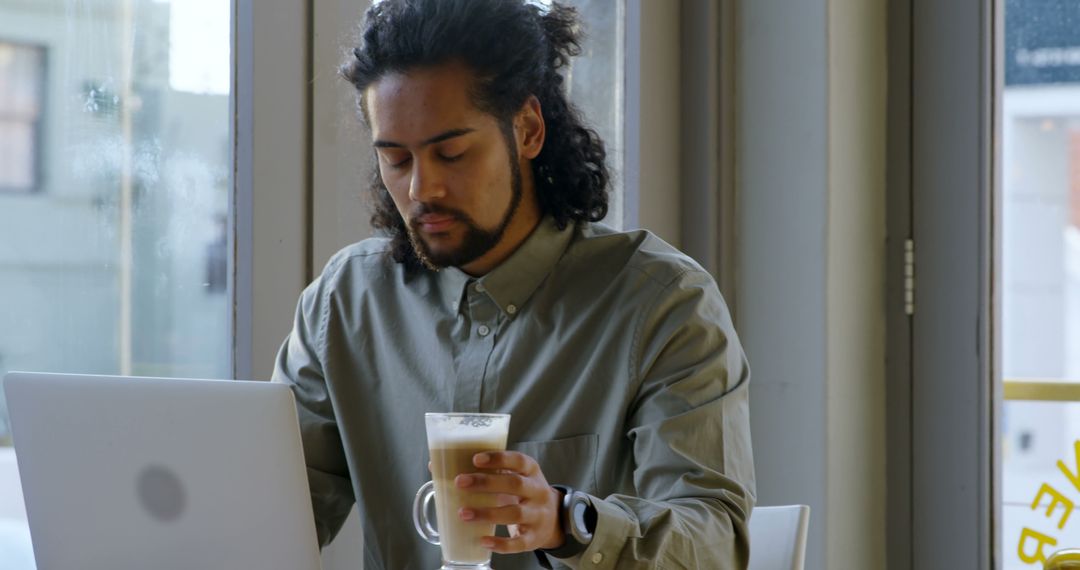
454, 434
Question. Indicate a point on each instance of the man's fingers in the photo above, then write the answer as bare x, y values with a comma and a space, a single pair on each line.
502, 545
503, 500
508, 460
508, 515
500, 483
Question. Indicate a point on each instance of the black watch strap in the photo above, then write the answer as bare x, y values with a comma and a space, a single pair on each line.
570, 546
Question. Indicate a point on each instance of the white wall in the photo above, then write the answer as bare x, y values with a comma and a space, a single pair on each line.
855, 286
810, 159
657, 167
781, 156
341, 146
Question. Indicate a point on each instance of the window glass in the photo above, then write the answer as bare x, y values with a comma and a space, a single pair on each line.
1040, 274
116, 114
595, 84
22, 77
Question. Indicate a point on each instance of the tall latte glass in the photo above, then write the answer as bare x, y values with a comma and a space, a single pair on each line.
453, 440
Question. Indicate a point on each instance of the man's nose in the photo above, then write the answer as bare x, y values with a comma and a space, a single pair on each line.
426, 184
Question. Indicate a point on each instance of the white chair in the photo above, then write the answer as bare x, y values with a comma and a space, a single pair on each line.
346, 552
778, 537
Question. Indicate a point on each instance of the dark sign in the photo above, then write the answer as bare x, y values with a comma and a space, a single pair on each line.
1042, 42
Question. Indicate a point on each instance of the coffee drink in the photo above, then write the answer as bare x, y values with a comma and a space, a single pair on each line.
461, 539
453, 441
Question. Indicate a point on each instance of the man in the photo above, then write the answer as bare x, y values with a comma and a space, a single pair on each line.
494, 290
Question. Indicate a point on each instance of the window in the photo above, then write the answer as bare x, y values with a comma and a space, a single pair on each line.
118, 264
22, 79
1041, 274
595, 84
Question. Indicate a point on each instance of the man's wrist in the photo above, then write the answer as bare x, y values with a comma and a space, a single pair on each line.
572, 523
559, 536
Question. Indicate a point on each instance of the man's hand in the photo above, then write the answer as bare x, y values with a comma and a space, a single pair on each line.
528, 505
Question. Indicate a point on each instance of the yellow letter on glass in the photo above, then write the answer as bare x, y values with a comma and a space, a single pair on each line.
1056, 499
1039, 556
1074, 478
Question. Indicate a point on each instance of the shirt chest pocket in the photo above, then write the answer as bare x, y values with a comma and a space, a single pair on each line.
568, 461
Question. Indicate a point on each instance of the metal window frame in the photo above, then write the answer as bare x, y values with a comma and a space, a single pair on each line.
898, 500
708, 224
944, 379
653, 139
270, 241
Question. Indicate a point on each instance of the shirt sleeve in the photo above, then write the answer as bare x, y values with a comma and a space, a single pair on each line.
299, 364
689, 425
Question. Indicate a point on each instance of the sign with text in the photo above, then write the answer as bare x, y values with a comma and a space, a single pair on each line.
1042, 42
1037, 544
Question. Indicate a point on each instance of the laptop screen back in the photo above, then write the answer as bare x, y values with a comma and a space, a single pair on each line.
123, 472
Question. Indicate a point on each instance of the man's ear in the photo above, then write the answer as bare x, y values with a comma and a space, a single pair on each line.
529, 129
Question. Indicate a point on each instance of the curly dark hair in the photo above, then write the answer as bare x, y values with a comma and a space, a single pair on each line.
516, 50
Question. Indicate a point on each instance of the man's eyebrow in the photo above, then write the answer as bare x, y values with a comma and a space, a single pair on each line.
435, 139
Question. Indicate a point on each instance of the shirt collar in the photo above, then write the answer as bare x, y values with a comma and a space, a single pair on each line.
514, 281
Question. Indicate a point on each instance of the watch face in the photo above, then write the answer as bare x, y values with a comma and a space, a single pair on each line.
580, 515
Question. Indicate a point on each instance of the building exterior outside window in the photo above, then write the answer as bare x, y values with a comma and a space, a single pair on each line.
1040, 267
113, 263
22, 85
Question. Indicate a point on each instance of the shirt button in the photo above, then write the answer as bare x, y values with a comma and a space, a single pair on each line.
511, 309
455, 305
483, 330
597, 558
479, 288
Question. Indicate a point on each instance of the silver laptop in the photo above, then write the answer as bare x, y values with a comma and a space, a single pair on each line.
123, 472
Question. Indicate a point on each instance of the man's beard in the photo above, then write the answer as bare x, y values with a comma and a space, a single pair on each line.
476, 242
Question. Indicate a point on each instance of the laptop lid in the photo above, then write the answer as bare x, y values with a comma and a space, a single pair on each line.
124, 472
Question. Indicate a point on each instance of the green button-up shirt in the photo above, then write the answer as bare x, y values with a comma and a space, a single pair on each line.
614, 353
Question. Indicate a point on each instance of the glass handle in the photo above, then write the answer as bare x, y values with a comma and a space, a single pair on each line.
419, 513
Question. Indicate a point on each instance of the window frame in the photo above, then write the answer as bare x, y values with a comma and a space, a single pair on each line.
944, 383
37, 168
269, 249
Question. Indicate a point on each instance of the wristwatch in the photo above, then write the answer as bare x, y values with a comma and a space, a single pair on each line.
578, 517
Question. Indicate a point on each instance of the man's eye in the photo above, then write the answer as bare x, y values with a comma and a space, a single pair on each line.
453, 158
397, 162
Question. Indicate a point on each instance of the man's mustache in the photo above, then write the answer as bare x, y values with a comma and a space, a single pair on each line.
425, 209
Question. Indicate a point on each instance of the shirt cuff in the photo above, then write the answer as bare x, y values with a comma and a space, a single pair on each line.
614, 527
